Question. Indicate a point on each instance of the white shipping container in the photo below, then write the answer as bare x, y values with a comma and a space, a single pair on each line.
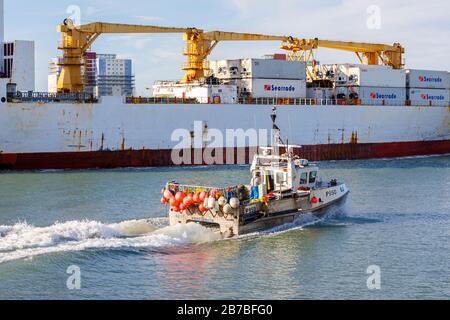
273, 69
429, 97
376, 76
225, 69
274, 88
320, 93
203, 93
330, 72
428, 79
373, 95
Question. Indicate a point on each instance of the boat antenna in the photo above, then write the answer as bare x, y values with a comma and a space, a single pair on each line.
288, 152
274, 119
276, 137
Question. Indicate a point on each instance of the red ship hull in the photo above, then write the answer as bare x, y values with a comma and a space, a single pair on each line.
160, 158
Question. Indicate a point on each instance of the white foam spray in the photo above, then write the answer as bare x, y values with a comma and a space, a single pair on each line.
23, 241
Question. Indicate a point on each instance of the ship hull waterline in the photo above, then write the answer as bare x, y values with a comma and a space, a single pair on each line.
115, 134
159, 158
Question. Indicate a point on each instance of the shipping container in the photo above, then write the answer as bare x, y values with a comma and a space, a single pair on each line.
429, 97
427, 79
373, 95
332, 72
280, 56
226, 69
320, 93
203, 93
273, 88
376, 76
273, 69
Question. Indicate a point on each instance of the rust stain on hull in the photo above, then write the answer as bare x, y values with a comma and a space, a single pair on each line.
158, 158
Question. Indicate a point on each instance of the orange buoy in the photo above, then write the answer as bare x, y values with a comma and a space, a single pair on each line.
174, 202
203, 196
180, 196
183, 207
202, 208
196, 198
163, 200
187, 201
168, 195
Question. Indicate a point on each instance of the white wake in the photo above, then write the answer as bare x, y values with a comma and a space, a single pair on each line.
23, 241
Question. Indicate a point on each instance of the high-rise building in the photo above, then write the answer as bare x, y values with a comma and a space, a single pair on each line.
115, 76
54, 70
16, 63
19, 64
90, 73
104, 75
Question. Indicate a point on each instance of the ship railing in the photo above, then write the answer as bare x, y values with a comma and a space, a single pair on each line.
187, 189
166, 82
281, 101
162, 100
424, 103
48, 97
320, 102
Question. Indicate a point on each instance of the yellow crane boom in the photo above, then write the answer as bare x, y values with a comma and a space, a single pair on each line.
367, 53
200, 45
76, 40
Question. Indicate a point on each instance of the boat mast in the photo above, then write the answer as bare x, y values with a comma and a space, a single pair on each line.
276, 136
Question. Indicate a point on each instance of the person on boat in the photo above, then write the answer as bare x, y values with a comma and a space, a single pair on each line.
256, 182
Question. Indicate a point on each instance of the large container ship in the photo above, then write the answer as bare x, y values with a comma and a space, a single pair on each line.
334, 112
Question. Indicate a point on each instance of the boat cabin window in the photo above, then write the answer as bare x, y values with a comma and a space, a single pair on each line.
270, 180
313, 177
304, 178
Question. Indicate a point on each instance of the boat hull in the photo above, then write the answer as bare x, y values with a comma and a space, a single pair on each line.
290, 218
259, 216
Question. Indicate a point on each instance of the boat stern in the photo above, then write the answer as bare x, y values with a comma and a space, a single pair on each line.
227, 224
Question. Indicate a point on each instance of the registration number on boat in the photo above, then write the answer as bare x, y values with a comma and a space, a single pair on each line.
331, 193
251, 209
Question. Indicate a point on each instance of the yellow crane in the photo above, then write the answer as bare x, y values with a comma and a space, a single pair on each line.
76, 40
200, 46
367, 53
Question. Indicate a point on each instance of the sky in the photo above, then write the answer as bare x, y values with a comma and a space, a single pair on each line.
422, 27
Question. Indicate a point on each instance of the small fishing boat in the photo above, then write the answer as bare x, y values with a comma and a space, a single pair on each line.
283, 188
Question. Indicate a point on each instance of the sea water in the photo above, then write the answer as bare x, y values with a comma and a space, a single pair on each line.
391, 240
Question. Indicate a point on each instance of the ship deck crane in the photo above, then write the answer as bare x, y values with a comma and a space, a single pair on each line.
367, 53
76, 40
